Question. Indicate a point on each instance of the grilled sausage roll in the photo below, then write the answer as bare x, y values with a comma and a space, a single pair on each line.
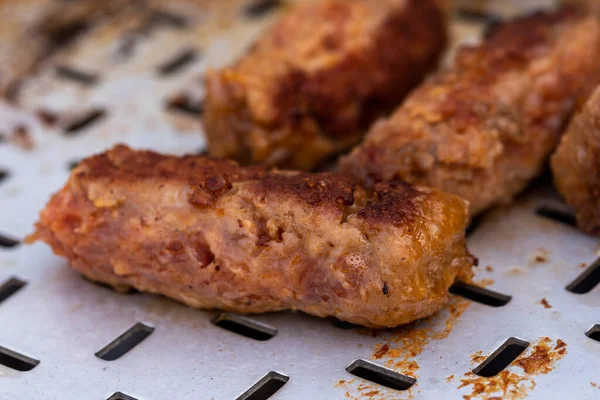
576, 165
214, 235
483, 128
311, 86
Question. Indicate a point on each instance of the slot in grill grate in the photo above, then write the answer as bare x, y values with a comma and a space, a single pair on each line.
16, 361
10, 287
501, 358
125, 343
266, 387
379, 375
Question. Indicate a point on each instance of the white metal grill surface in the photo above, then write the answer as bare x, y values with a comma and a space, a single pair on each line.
61, 320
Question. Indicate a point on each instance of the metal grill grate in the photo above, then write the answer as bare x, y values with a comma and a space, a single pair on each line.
136, 78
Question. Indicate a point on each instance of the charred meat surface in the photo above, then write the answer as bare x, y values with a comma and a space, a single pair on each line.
212, 234
576, 165
311, 86
484, 127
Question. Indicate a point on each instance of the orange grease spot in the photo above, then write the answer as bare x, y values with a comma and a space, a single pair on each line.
539, 359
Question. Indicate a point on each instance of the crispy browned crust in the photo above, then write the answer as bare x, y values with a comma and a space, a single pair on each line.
576, 165
207, 177
484, 127
311, 86
265, 241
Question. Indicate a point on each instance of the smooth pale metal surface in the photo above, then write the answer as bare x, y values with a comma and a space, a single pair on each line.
62, 320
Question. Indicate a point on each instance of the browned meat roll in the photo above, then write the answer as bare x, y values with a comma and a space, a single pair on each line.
483, 128
214, 235
576, 165
311, 86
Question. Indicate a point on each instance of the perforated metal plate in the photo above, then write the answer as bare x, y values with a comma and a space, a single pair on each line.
62, 337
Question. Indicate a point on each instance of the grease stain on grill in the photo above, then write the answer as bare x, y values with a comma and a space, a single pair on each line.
17, 361
178, 63
380, 375
266, 387
72, 74
8, 242
594, 333
398, 350
587, 280
126, 342
10, 287
479, 294
501, 358
92, 117
540, 358
244, 326
562, 216
120, 396
260, 8
185, 104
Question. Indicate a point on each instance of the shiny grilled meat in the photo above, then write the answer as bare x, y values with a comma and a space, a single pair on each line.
212, 234
484, 127
311, 86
